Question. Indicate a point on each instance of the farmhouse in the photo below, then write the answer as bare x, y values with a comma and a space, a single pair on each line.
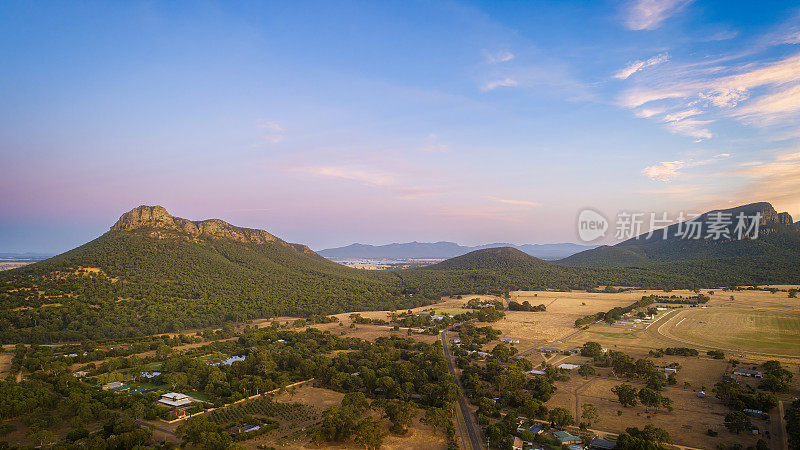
565, 438
175, 399
747, 373
517, 445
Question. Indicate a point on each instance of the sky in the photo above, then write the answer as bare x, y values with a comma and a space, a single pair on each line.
334, 122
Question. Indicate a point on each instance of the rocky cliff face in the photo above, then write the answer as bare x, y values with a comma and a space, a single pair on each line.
157, 219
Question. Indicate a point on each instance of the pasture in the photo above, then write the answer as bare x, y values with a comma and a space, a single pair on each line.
736, 329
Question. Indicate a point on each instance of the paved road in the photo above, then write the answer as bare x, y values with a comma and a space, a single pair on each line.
467, 421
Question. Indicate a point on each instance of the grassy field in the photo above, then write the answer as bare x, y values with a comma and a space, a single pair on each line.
763, 331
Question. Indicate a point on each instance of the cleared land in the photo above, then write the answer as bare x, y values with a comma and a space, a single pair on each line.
752, 326
734, 329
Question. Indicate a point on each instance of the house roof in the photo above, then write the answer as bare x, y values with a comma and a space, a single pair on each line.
564, 436
602, 444
746, 371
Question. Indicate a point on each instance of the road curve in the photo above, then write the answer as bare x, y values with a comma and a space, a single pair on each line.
474, 441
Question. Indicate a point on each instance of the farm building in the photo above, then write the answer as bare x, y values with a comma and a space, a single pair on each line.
565, 438
510, 340
747, 373
549, 350
567, 366
175, 399
601, 444
535, 372
80, 374
757, 413
670, 370
701, 394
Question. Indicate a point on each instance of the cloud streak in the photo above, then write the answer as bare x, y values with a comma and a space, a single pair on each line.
650, 14
498, 57
504, 82
513, 202
637, 66
669, 170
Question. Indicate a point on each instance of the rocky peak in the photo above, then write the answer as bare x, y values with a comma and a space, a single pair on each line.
157, 220
785, 219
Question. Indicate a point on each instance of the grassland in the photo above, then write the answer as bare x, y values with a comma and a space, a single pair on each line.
734, 329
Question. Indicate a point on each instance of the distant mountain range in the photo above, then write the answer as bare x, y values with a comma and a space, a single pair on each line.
445, 250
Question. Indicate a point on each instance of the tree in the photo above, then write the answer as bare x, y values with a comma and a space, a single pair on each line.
560, 417
590, 413
438, 418
737, 421
201, 431
626, 394
163, 351
592, 349
369, 433
401, 414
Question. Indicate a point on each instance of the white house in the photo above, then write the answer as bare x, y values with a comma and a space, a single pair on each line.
175, 399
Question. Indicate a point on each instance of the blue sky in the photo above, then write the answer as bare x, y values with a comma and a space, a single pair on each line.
334, 122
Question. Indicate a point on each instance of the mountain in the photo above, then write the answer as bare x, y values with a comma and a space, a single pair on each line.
409, 250
154, 273
444, 249
778, 241
499, 259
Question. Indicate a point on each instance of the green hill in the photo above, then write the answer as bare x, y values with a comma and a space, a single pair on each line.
154, 273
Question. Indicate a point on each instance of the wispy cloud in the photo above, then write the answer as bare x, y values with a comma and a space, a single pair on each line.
365, 176
504, 82
498, 57
689, 98
636, 66
514, 202
664, 171
650, 14
669, 170
270, 131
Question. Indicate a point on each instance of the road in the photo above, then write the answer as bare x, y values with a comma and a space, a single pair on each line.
464, 417
779, 428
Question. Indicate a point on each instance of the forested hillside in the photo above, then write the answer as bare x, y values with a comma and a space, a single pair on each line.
778, 241
154, 279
